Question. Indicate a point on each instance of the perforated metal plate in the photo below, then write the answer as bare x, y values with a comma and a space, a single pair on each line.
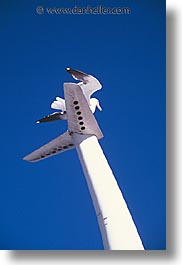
80, 118
60, 144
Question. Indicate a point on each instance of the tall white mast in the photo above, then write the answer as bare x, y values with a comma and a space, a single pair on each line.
116, 224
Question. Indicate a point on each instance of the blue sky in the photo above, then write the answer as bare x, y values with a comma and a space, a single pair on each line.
46, 205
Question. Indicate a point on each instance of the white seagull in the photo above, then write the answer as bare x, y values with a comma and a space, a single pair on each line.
89, 85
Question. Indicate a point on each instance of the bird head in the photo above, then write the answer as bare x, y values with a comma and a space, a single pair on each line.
95, 103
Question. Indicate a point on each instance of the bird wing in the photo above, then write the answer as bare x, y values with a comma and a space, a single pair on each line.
89, 84
59, 104
53, 117
60, 144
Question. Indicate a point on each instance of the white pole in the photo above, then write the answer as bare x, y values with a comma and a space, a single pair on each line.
116, 225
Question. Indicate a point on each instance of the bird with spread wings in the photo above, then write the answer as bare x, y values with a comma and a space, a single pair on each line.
88, 84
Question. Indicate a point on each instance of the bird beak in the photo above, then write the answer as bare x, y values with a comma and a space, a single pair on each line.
99, 107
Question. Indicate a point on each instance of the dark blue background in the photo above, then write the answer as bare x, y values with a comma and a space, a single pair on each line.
46, 205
